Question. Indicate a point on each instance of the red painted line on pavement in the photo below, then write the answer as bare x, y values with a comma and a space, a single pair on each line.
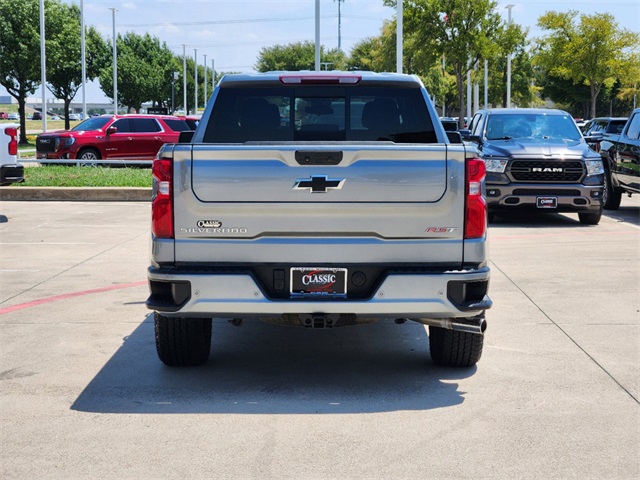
65, 296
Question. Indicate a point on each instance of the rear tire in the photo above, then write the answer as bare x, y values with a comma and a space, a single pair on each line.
451, 348
182, 342
612, 197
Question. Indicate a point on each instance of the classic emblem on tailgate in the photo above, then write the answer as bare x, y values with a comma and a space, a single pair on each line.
318, 184
209, 223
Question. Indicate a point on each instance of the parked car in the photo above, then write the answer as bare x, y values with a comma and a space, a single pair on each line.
36, 116
13, 116
133, 137
192, 120
595, 129
621, 157
537, 159
4, 116
10, 170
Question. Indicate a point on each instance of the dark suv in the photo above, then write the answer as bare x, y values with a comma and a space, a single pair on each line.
538, 159
121, 137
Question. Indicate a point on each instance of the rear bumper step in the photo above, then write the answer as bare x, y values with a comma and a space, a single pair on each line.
442, 296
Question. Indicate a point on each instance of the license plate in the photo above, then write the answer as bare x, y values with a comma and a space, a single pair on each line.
318, 281
41, 155
547, 202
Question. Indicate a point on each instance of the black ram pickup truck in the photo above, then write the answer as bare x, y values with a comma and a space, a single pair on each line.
621, 159
537, 159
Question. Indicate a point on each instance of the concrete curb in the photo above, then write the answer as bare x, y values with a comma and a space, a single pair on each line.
96, 194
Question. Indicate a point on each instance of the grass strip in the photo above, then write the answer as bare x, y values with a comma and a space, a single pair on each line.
73, 176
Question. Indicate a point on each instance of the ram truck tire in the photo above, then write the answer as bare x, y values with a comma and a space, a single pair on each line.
182, 342
612, 196
452, 348
590, 218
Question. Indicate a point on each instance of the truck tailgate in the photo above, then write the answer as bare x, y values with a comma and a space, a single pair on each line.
259, 204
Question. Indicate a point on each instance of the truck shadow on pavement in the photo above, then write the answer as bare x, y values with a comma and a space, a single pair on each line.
266, 369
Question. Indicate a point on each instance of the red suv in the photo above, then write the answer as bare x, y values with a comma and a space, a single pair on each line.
122, 137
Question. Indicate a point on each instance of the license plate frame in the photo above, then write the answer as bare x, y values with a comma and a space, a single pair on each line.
547, 202
326, 282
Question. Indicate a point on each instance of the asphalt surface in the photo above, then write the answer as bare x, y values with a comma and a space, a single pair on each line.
83, 395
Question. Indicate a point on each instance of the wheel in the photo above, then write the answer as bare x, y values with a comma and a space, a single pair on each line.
182, 342
451, 348
88, 155
590, 218
611, 197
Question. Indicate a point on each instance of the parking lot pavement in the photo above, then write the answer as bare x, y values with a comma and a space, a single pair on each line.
83, 395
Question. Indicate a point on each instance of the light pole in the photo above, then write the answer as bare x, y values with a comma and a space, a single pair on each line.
174, 77
184, 77
317, 51
509, 7
43, 66
339, 23
195, 81
115, 63
84, 62
399, 29
204, 94
213, 74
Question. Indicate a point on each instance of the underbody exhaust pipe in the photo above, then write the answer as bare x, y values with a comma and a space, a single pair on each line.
475, 325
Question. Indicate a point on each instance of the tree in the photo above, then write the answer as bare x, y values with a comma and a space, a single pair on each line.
298, 56
461, 30
64, 52
144, 70
512, 39
593, 52
19, 40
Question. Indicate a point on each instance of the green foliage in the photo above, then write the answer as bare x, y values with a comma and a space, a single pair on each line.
462, 31
144, 70
72, 176
64, 49
19, 42
593, 52
298, 56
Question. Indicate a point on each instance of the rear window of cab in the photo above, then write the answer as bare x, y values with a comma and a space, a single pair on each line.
320, 113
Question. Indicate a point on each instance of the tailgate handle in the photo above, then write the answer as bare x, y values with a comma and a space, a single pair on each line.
318, 157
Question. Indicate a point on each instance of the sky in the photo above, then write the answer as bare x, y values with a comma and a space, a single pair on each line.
232, 32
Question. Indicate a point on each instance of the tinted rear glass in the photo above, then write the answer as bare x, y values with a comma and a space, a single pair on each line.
320, 113
178, 125
145, 125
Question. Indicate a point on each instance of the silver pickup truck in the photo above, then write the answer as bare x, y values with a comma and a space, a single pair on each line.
319, 200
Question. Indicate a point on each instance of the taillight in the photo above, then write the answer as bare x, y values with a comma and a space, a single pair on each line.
162, 200
13, 143
475, 224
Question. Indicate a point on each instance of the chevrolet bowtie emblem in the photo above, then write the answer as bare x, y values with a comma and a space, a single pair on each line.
318, 184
